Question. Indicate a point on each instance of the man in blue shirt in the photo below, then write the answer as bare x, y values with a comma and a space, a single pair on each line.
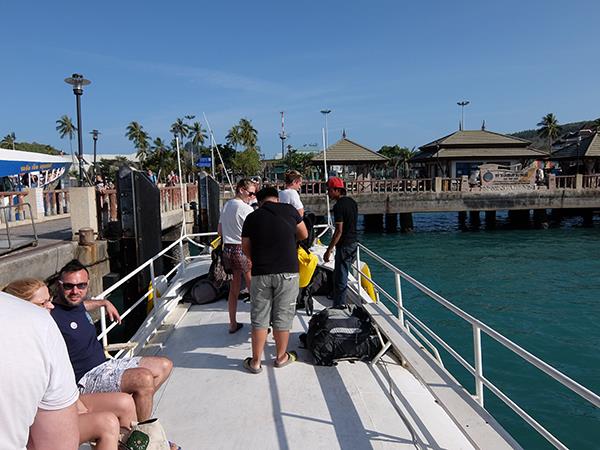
139, 376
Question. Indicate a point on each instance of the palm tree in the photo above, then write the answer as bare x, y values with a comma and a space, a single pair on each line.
234, 137
180, 128
9, 140
248, 134
549, 129
65, 127
197, 136
139, 137
162, 155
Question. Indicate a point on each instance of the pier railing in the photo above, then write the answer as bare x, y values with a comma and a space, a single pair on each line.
16, 201
436, 185
410, 323
170, 200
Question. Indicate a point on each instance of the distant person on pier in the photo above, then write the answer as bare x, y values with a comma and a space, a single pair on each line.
344, 240
235, 262
269, 240
291, 193
100, 416
151, 176
37, 386
139, 376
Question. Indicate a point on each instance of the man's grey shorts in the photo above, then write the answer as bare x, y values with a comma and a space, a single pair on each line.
107, 376
273, 300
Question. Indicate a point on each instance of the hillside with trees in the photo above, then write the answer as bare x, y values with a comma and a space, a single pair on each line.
541, 142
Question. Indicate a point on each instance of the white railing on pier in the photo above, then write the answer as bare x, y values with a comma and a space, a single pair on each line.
477, 371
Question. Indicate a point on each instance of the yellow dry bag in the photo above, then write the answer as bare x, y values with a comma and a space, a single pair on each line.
307, 263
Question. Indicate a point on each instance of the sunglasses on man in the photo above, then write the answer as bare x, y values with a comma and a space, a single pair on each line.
71, 286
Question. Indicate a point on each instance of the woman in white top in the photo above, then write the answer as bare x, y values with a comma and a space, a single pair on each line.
230, 228
293, 182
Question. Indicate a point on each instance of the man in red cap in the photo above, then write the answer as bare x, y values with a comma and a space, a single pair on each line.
345, 216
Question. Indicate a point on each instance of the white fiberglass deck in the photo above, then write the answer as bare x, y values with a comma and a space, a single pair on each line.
210, 401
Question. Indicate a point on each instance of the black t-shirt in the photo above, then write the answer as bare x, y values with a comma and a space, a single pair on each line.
346, 210
272, 232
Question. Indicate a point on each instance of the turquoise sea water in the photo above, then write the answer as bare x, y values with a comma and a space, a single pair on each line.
540, 288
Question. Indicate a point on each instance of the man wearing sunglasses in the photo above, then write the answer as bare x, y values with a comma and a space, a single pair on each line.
139, 376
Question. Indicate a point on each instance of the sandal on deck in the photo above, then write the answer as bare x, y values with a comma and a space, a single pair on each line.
292, 357
249, 368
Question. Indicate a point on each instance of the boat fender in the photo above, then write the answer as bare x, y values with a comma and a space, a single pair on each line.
161, 285
366, 284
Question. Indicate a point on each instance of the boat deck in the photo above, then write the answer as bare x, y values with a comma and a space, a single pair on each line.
211, 401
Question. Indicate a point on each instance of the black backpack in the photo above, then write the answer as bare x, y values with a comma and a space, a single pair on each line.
335, 334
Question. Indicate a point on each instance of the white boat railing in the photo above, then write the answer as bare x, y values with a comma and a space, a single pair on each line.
477, 371
161, 307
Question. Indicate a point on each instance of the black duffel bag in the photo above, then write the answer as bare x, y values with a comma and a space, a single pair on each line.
335, 334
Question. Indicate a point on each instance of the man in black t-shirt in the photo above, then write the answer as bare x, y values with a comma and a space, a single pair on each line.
269, 238
345, 216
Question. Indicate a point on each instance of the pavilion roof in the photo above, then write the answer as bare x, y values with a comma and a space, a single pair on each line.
588, 147
346, 151
477, 144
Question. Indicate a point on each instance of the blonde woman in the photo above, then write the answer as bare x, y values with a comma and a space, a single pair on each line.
290, 195
101, 416
234, 261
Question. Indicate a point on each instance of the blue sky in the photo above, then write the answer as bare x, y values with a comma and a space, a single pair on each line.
390, 71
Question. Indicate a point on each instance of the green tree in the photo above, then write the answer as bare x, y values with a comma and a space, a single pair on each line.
399, 159
295, 160
161, 159
9, 140
248, 134
65, 128
197, 135
247, 163
180, 128
136, 134
109, 168
550, 129
234, 137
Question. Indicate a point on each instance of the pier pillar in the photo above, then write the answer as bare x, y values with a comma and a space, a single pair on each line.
83, 209
373, 222
490, 219
437, 184
540, 218
519, 217
588, 217
391, 222
474, 218
462, 219
556, 215
406, 222
35, 197
579, 181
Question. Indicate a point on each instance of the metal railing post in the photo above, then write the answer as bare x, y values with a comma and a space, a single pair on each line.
478, 364
359, 274
399, 299
155, 294
103, 326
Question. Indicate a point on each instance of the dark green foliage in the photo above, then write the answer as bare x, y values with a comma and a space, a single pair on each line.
539, 142
399, 159
295, 160
37, 148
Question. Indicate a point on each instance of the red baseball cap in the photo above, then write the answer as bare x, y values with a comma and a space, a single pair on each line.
335, 183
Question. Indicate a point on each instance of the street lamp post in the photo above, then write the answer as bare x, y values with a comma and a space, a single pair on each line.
77, 81
325, 112
462, 112
578, 158
282, 135
95, 134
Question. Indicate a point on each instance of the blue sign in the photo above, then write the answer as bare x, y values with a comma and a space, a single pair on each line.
205, 161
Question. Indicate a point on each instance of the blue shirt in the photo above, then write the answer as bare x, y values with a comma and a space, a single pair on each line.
85, 351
